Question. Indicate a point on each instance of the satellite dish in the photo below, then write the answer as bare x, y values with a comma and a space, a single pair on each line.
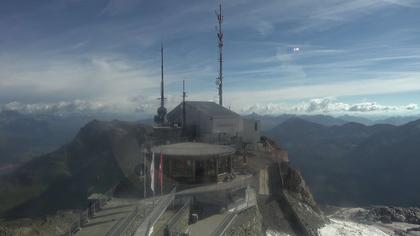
217, 82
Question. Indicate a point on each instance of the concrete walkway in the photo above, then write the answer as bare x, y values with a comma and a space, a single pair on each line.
205, 227
238, 182
114, 211
113, 214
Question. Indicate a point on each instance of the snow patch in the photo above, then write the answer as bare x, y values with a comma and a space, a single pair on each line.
270, 232
347, 228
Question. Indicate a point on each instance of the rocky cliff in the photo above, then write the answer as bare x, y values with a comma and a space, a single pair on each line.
289, 207
101, 155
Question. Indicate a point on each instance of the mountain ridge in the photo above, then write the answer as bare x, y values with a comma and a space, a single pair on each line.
355, 164
62, 179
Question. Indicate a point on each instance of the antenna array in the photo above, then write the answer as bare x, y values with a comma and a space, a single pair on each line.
219, 80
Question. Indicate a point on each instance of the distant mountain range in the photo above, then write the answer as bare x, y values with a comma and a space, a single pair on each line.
343, 162
268, 122
23, 137
354, 164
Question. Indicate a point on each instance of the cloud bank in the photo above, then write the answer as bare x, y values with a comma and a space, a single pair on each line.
327, 105
147, 105
58, 108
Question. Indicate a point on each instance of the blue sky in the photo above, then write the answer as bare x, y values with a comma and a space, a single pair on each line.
355, 56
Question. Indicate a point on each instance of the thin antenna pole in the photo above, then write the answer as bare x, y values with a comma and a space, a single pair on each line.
145, 174
184, 112
220, 41
162, 95
160, 118
144, 183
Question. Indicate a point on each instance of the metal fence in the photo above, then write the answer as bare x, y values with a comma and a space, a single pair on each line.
122, 226
233, 185
225, 224
78, 223
148, 223
88, 213
176, 226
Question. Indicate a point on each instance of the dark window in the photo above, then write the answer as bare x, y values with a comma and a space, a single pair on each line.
256, 126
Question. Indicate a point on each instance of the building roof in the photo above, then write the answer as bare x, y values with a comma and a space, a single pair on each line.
210, 108
193, 151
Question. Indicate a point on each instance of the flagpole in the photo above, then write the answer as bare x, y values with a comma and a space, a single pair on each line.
161, 173
145, 175
152, 176
145, 180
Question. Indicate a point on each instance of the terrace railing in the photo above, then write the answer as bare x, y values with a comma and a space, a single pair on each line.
179, 222
147, 226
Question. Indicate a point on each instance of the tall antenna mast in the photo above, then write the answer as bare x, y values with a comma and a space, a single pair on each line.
160, 118
219, 80
162, 91
184, 112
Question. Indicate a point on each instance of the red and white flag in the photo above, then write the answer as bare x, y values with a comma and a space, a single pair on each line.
152, 173
161, 173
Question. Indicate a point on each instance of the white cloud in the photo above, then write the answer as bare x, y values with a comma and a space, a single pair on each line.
321, 17
149, 104
372, 106
412, 106
84, 77
265, 109
308, 14
320, 104
325, 105
265, 27
331, 89
76, 106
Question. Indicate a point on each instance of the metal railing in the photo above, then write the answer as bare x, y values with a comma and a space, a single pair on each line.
77, 224
233, 185
172, 228
225, 224
155, 214
124, 224
87, 213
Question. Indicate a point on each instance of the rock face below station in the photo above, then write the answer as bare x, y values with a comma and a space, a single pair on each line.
386, 214
289, 206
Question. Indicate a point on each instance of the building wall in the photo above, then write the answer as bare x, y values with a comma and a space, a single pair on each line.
227, 125
217, 129
250, 130
196, 120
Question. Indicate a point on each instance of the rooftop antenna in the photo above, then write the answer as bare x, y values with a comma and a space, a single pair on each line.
184, 112
162, 89
219, 80
161, 112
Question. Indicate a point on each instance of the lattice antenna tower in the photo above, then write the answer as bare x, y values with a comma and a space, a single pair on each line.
219, 80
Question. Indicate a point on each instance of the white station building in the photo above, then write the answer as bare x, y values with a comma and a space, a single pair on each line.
209, 122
